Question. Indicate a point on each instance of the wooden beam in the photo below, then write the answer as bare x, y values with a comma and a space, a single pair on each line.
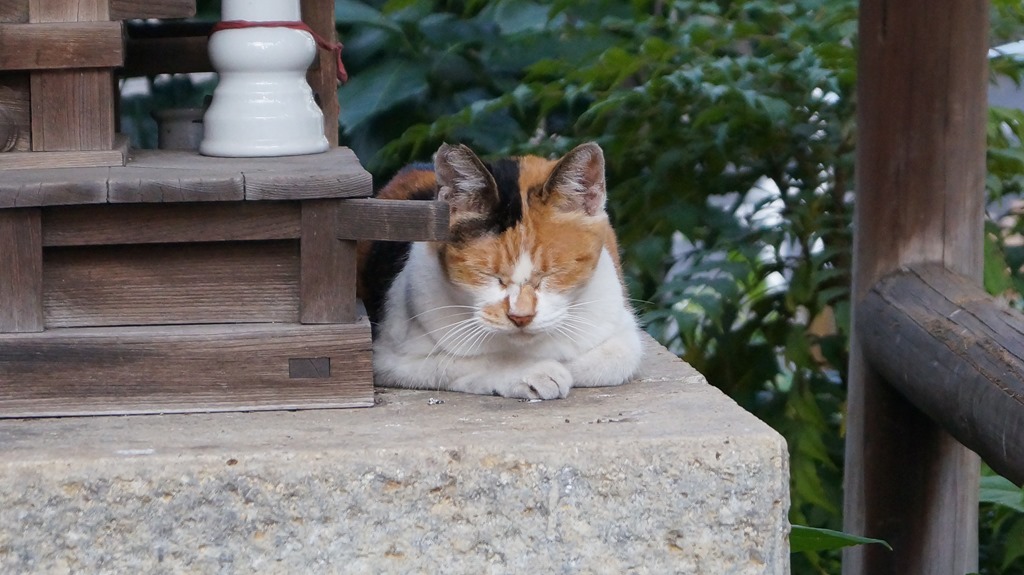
61, 45
127, 224
397, 221
323, 79
117, 156
921, 92
959, 358
184, 369
139, 9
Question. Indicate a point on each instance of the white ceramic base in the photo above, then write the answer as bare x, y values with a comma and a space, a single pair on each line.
262, 105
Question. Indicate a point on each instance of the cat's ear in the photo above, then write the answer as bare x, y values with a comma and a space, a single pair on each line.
464, 182
577, 183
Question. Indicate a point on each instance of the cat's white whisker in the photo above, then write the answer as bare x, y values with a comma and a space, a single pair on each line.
446, 326
453, 334
439, 308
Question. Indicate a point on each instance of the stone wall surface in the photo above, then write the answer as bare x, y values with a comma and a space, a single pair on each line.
663, 475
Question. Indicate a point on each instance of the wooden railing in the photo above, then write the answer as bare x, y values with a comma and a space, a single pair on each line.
956, 354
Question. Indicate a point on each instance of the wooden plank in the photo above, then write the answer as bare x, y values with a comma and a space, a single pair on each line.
15, 117
28, 188
61, 45
231, 282
21, 271
323, 79
328, 280
335, 174
139, 9
182, 369
147, 185
968, 372
150, 224
180, 176
394, 220
920, 171
152, 56
78, 159
68, 10
72, 110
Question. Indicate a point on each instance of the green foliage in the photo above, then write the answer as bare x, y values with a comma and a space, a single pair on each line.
803, 539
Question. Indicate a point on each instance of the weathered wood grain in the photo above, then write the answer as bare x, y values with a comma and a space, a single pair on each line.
157, 185
328, 281
334, 174
921, 116
183, 369
394, 220
967, 350
15, 116
127, 224
53, 187
137, 9
72, 110
323, 79
61, 45
232, 282
21, 271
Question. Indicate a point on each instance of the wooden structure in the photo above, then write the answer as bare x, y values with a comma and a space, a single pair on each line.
935, 364
164, 281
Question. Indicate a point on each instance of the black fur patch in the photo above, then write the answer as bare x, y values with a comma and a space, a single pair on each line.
510, 203
506, 214
383, 263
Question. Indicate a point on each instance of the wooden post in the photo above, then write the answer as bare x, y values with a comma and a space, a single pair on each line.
72, 109
920, 192
323, 79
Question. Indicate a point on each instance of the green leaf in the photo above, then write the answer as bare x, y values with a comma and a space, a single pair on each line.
804, 538
1001, 491
378, 89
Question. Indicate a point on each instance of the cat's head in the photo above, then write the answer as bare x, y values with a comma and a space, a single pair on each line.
526, 233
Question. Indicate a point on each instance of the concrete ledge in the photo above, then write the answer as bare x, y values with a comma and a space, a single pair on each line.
664, 475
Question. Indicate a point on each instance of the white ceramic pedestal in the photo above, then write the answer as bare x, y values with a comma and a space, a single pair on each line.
262, 105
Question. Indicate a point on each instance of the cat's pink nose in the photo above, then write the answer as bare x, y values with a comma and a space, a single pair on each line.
520, 320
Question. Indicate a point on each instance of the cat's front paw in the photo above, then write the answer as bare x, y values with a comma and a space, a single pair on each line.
544, 380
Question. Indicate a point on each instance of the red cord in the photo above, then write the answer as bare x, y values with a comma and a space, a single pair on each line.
335, 47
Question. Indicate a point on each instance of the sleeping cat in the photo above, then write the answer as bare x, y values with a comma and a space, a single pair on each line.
525, 299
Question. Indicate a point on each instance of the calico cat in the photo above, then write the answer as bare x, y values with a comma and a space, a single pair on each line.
525, 299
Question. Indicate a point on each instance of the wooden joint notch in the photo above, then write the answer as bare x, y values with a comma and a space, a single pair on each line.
61, 45
392, 220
